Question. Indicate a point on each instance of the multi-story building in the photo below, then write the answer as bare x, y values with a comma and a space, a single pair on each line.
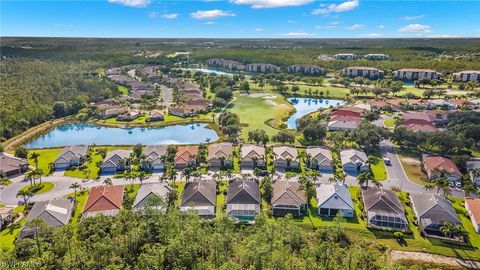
467, 75
368, 72
305, 69
261, 67
412, 74
224, 63
345, 56
375, 56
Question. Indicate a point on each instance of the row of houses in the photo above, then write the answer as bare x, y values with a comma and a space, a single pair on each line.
397, 104
352, 56
264, 67
382, 208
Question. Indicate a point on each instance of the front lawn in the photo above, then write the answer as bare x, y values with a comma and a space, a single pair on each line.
412, 166
79, 205
8, 236
92, 168
390, 122
123, 90
46, 157
39, 188
379, 170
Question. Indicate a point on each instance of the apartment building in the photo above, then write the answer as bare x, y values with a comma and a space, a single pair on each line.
412, 74
261, 67
345, 56
467, 75
224, 63
305, 69
375, 56
368, 72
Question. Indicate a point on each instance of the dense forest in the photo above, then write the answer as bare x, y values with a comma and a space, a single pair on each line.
184, 241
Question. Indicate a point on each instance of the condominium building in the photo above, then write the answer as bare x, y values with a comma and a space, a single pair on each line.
345, 56
412, 74
368, 72
224, 63
375, 56
305, 69
261, 67
467, 75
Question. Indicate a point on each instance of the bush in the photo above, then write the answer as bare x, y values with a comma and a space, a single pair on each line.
398, 235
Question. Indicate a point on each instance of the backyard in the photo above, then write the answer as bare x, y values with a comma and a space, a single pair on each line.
46, 157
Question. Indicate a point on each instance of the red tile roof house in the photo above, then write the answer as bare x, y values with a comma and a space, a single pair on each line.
436, 166
352, 112
104, 200
385, 105
186, 156
419, 121
473, 208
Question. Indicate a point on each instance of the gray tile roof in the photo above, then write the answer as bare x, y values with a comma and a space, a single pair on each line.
243, 192
251, 150
199, 193
220, 150
288, 193
334, 196
154, 153
381, 200
319, 153
54, 213
354, 156
70, 152
148, 190
285, 152
113, 157
434, 208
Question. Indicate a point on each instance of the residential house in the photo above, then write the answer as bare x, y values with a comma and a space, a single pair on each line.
467, 75
378, 105
383, 209
432, 211
333, 198
11, 165
288, 198
367, 72
437, 166
473, 168
55, 213
70, 156
345, 56
252, 156
472, 205
375, 56
243, 200
306, 69
155, 115
261, 67
412, 74
342, 123
220, 155
104, 200
116, 160
130, 115
6, 216
320, 158
154, 157
186, 156
285, 157
152, 195
112, 112
351, 111
419, 121
200, 196
441, 103
354, 161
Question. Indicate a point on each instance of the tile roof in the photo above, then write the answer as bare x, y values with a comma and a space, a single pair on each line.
104, 198
53, 212
334, 196
285, 152
185, 153
113, 157
288, 193
381, 200
70, 152
199, 193
243, 192
353, 155
252, 150
220, 150
433, 207
10, 163
323, 152
157, 189
440, 163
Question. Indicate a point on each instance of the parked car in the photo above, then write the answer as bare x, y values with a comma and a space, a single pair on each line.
387, 162
451, 184
458, 184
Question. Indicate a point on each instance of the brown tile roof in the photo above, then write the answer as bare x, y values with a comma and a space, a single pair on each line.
104, 198
419, 125
9, 163
219, 150
184, 153
440, 163
348, 112
474, 205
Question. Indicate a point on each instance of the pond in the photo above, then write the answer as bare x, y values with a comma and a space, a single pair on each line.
305, 106
83, 133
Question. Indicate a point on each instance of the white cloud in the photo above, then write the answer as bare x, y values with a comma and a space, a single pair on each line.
210, 23
170, 16
272, 3
355, 27
415, 27
152, 14
345, 6
211, 14
132, 3
411, 18
381, 26
258, 29
298, 34
331, 25
372, 35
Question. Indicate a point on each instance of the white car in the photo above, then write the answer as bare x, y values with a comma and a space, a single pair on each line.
458, 184
451, 184
387, 162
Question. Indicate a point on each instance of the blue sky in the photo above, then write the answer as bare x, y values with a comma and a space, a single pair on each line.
240, 18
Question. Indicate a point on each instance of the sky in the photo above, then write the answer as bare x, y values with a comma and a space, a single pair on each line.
240, 18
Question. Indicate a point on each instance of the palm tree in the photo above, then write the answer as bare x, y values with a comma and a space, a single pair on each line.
39, 173
34, 156
341, 176
308, 187
245, 176
469, 188
363, 179
108, 181
26, 194
447, 229
141, 177
429, 187
75, 186
38, 225
30, 175
86, 173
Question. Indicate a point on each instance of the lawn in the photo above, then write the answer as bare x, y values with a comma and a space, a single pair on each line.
169, 120
93, 169
327, 90
390, 122
7, 236
475, 151
222, 187
80, 204
255, 112
46, 157
378, 167
412, 166
123, 90
45, 187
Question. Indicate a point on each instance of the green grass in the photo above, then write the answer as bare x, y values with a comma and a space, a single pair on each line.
46, 186
123, 90
46, 157
475, 151
390, 122
328, 91
8, 236
91, 166
378, 167
255, 112
413, 170
79, 205
220, 212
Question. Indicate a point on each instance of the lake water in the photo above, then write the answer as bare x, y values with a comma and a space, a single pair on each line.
215, 71
83, 133
305, 106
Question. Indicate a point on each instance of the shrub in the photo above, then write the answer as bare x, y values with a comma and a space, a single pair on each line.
398, 235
